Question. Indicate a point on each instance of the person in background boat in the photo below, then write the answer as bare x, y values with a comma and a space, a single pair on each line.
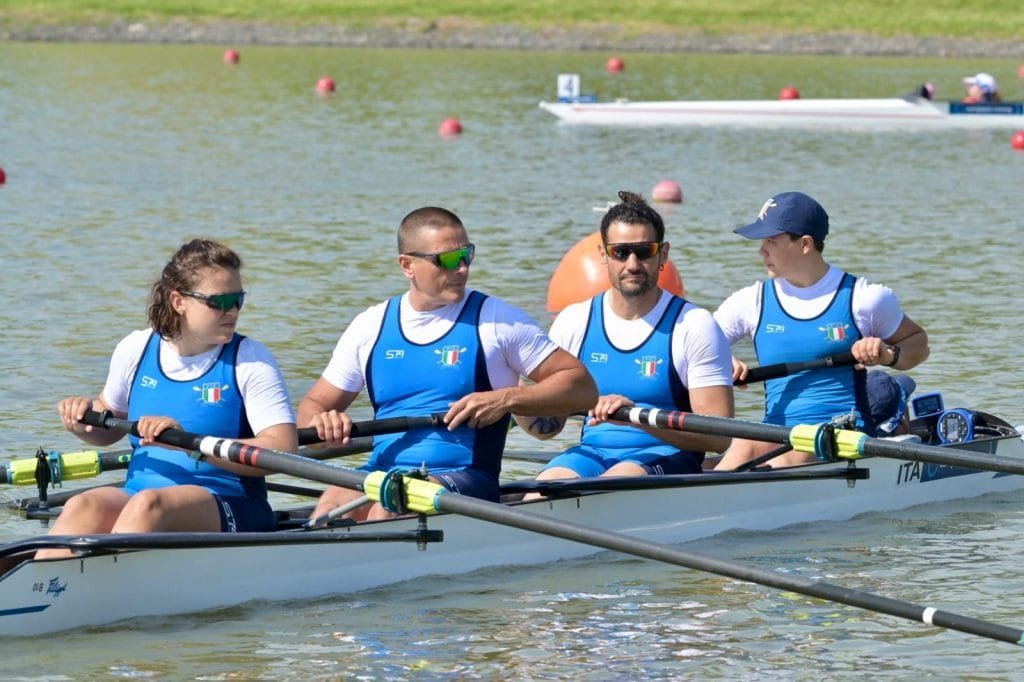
190, 370
441, 347
809, 309
981, 88
644, 346
889, 402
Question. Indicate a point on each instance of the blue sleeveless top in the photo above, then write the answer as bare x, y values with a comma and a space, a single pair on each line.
811, 396
406, 379
645, 374
210, 405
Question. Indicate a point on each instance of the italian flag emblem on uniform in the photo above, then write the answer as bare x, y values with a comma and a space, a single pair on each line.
211, 393
450, 355
836, 331
649, 366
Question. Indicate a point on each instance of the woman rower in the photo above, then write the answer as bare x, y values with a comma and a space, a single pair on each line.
190, 370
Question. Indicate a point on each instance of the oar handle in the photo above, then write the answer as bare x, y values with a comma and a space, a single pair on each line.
379, 427
782, 369
307, 436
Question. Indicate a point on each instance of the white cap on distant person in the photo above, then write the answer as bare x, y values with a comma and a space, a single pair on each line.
984, 81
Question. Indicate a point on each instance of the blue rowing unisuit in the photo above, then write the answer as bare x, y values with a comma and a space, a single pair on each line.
645, 374
209, 404
811, 396
406, 379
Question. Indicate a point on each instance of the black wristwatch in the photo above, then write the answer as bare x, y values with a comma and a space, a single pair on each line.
896, 350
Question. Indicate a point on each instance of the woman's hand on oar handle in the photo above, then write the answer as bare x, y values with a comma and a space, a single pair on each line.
151, 426
72, 415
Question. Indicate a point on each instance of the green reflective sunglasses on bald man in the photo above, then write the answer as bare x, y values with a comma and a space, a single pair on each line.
449, 260
222, 302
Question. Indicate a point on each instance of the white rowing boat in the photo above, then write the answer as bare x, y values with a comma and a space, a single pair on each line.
909, 113
124, 576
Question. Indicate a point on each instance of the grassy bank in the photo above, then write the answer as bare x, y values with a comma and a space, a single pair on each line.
971, 19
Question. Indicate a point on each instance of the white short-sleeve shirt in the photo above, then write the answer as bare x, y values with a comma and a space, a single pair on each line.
699, 349
876, 309
513, 344
260, 382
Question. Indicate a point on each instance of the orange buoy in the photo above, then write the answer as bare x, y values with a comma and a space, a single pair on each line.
325, 85
231, 56
450, 127
581, 275
1017, 141
667, 192
789, 92
614, 65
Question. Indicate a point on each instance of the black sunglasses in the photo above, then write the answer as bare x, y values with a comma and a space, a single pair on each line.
222, 302
449, 260
642, 250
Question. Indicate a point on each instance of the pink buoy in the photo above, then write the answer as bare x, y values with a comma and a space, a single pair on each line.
1020, 71
325, 85
667, 192
614, 65
231, 56
1017, 141
450, 127
789, 92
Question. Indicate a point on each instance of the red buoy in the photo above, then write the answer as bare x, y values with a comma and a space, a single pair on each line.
667, 192
325, 85
581, 274
614, 65
231, 56
789, 92
3, 176
450, 127
1017, 141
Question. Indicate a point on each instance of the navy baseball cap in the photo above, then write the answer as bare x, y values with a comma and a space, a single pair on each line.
888, 397
792, 212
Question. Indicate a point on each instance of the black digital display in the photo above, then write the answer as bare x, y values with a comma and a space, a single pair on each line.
928, 404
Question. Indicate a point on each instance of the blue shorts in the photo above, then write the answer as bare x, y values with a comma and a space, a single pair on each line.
244, 514
588, 462
469, 482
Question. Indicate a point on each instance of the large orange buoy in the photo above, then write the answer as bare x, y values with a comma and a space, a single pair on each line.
581, 275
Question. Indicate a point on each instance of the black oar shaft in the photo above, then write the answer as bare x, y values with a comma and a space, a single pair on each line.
857, 444
378, 427
783, 369
518, 518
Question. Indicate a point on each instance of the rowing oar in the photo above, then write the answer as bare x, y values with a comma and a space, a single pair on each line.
782, 369
821, 440
426, 497
88, 463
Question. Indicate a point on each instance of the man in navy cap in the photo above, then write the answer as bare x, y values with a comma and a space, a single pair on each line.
808, 309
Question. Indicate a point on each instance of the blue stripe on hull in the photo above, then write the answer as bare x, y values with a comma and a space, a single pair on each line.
24, 610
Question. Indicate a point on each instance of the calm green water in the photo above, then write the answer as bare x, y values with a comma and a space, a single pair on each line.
117, 154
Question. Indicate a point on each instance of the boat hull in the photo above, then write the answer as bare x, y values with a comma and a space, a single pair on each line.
45, 596
894, 113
